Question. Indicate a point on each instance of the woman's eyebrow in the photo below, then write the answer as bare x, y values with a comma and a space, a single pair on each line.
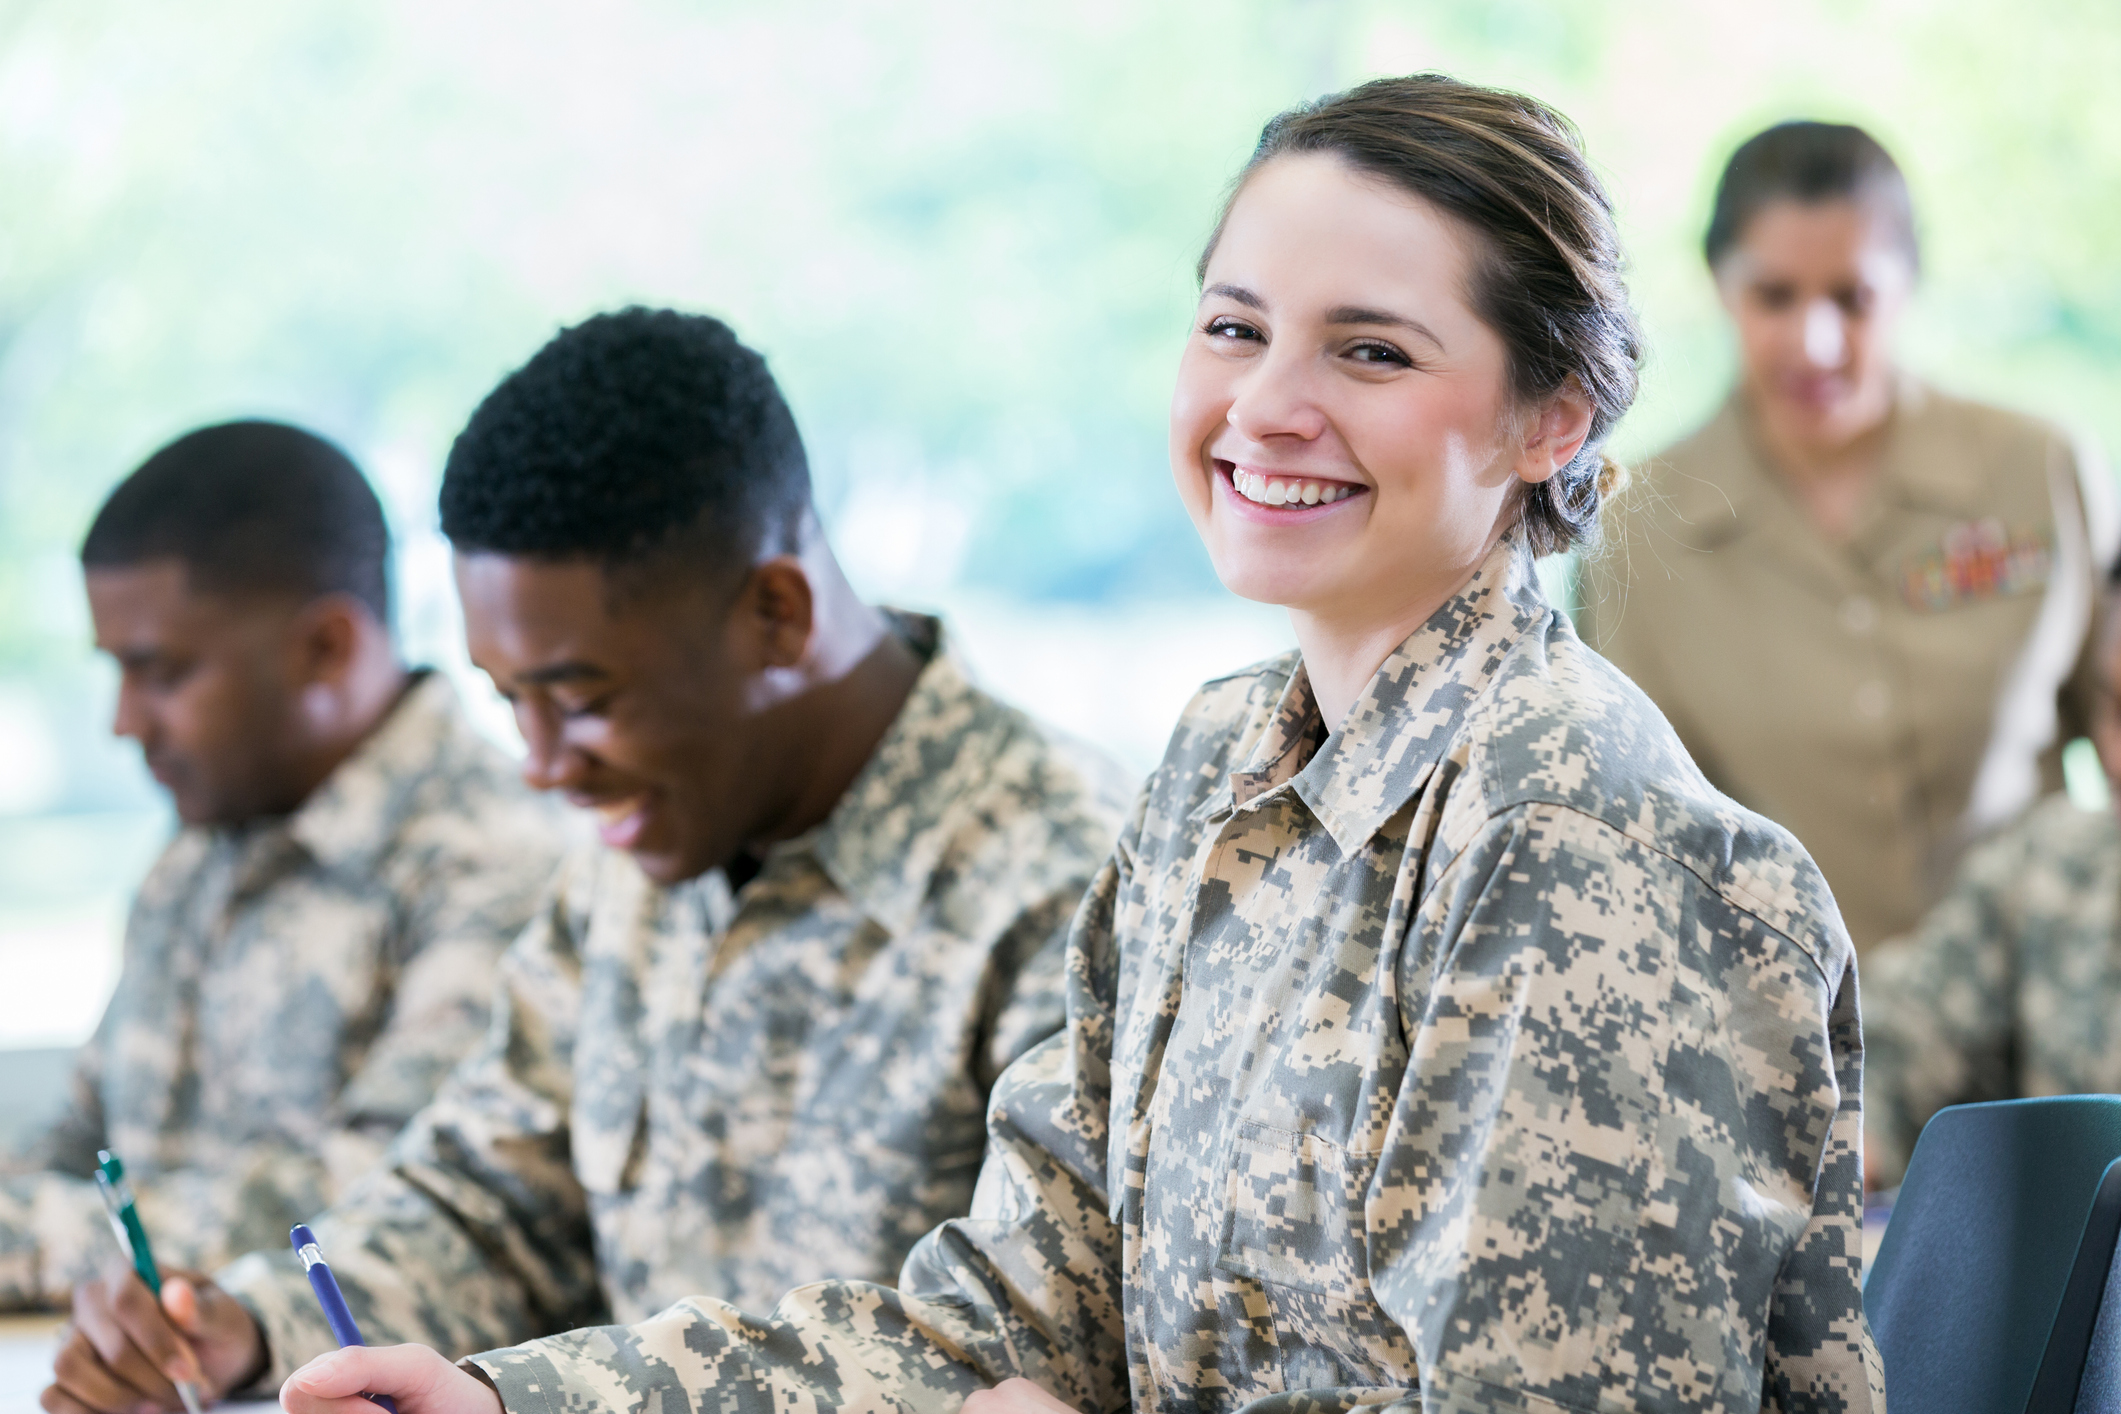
1357, 314
1239, 293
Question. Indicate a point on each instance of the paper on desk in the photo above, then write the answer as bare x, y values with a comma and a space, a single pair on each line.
26, 1368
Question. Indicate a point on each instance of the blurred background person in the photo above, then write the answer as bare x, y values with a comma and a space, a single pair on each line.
1863, 603
317, 946
2011, 986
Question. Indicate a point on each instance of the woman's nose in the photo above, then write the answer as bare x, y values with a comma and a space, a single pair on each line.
1826, 340
1276, 400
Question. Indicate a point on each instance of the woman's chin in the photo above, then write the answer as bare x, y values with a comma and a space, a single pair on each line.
1290, 586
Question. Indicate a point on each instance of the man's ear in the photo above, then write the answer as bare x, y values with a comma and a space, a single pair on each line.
1554, 434
778, 599
325, 639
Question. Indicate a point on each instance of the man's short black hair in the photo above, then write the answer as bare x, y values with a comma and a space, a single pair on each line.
645, 435
251, 507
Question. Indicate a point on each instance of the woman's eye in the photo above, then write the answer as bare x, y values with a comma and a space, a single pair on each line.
1230, 329
1381, 354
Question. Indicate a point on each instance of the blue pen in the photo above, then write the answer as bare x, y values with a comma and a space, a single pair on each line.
326, 1286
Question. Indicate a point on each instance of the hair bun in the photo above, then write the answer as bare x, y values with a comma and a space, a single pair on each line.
1612, 477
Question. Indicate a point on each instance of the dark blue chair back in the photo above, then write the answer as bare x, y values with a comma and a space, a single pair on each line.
1989, 1287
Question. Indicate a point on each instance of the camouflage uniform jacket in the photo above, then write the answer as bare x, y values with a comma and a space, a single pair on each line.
1475, 1057
2009, 988
291, 993
688, 1091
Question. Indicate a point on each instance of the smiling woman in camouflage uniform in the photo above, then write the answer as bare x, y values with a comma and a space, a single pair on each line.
1437, 1037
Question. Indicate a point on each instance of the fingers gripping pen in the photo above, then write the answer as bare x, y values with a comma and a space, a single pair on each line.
326, 1286
125, 1221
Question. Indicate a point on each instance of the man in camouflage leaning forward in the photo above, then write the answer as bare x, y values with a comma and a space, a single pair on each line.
2011, 985
749, 1044
317, 946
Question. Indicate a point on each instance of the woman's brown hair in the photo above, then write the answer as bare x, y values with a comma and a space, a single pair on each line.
1547, 273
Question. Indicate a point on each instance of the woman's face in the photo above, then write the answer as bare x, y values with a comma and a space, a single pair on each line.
1341, 432
1816, 289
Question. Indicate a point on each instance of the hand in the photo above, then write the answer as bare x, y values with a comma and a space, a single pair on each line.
1018, 1396
125, 1350
419, 1380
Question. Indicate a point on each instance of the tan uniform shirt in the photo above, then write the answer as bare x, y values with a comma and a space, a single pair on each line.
292, 992
1476, 1058
1891, 699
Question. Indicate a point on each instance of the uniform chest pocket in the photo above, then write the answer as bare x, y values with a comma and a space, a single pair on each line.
1293, 1212
1293, 1222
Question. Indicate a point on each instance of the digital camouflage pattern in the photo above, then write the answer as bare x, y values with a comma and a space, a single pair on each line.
2010, 988
292, 992
688, 1092
1475, 1057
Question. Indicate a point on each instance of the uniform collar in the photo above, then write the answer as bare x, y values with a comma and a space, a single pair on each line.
884, 838
1405, 718
1729, 488
350, 819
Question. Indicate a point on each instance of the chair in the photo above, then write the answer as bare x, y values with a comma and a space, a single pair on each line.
1987, 1296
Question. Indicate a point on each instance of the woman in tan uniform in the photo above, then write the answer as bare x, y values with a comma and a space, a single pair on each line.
1863, 603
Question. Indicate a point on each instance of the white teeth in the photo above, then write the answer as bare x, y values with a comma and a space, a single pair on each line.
613, 811
1266, 491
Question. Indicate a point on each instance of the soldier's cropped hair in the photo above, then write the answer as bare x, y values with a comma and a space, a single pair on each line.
251, 508
1809, 163
1547, 264
646, 440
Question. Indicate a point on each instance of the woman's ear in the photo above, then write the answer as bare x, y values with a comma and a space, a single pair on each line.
1554, 434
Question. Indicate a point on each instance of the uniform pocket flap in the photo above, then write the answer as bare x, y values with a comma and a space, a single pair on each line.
1293, 1212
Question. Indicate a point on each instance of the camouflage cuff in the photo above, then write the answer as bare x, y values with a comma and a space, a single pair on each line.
277, 1295
526, 1380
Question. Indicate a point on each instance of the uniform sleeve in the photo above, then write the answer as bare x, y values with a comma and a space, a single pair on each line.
1027, 1285
1031, 981
475, 1231
1938, 1007
471, 908
464, 904
52, 1228
1623, 1167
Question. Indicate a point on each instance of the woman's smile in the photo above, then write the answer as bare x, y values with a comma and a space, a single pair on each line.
1281, 497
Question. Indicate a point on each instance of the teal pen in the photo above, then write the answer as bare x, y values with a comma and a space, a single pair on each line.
125, 1221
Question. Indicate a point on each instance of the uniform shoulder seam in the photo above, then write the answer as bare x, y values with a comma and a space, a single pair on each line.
1737, 895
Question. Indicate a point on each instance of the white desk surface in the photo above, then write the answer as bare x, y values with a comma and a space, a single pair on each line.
26, 1366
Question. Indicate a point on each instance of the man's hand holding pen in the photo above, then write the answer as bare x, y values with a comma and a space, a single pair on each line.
126, 1349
